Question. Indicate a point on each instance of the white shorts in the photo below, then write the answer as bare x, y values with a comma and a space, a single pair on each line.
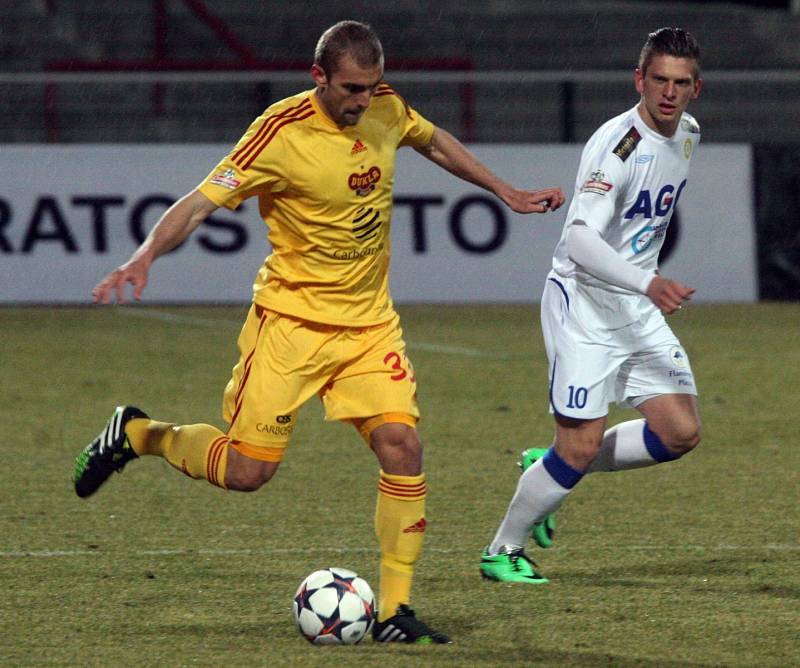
604, 347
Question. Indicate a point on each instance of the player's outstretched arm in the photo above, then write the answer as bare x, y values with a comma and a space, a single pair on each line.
449, 153
177, 223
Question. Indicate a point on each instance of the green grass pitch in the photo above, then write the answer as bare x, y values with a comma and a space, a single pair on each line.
693, 563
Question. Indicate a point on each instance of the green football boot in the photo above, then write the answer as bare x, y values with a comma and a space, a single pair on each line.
511, 564
544, 531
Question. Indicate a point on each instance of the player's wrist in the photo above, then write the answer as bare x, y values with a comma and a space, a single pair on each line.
143, 257
502, 190
647, 282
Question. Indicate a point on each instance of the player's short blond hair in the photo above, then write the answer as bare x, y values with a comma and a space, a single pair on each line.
354, 38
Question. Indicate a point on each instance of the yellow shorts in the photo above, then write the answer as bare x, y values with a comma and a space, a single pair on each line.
361, 374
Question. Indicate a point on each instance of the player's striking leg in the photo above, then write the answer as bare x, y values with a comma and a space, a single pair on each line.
199, 451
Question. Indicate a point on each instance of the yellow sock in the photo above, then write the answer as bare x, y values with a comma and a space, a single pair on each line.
198, 450
400, 525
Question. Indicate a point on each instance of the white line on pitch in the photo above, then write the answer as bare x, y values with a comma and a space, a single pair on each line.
453, 350
207, 552
179, 319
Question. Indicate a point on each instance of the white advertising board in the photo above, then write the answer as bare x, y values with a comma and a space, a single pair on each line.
71, 213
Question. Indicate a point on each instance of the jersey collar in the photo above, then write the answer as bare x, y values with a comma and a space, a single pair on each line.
645, 129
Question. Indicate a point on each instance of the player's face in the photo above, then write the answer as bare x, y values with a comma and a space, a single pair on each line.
347, 92
666, 88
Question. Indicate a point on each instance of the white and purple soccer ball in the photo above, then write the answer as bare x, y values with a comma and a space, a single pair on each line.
334, 606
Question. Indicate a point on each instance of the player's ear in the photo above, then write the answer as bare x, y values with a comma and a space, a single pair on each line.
318, 75
698, 86
638, 77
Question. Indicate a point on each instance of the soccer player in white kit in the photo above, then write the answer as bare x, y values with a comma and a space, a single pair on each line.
603, 307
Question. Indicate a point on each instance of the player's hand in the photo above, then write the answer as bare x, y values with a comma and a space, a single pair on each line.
134, 272
533, 201
667, 294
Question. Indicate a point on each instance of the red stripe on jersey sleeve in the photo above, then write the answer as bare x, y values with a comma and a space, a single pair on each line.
242, 154
381, 92
273, 131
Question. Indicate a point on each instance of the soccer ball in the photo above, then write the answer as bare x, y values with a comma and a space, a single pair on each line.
334, 606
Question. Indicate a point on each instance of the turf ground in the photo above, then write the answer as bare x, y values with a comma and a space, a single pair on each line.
693, 563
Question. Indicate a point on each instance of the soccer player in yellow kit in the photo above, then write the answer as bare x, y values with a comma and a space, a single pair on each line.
322, 322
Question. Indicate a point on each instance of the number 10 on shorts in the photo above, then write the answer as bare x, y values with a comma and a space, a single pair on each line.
577, 397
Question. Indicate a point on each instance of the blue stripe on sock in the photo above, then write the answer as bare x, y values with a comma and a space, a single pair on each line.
561, 472
656, 448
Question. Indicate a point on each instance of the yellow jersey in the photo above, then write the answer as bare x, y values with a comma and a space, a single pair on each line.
325, 193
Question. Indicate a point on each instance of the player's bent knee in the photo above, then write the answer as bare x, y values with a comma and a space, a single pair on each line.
685, 440
245, 474
682, 438
244, 483
578, 441
395, 435
398, 448
579, 455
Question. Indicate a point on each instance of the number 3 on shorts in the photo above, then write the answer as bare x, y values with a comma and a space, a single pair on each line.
395, 362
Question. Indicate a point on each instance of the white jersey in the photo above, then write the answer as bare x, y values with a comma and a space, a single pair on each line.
628, 185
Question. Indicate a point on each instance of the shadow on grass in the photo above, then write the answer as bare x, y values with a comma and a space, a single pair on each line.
777, 592
461, 652
532, 656
653, 575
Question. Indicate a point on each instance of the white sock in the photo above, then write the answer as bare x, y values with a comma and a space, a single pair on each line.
629, 445
538, 494
544, 486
